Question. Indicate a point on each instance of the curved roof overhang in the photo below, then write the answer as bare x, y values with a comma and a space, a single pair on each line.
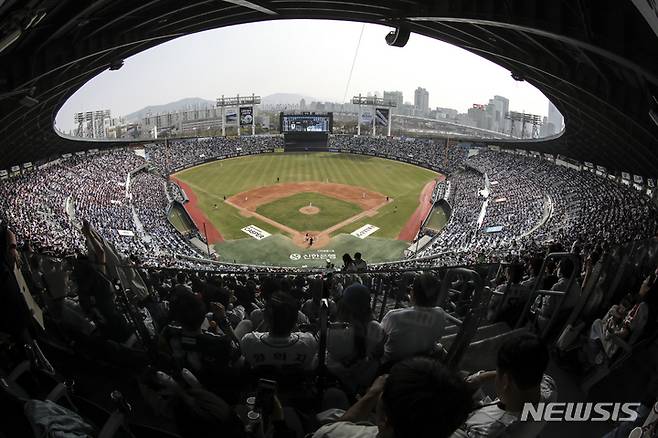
597, 61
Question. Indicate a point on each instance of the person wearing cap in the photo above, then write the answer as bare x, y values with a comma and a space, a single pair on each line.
416, 329
355, 343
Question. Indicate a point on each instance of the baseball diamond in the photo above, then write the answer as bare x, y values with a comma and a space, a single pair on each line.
299, 196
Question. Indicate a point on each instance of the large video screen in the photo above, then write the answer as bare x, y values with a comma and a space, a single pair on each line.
306, 122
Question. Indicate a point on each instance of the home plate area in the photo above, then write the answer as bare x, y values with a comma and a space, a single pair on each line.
309, 212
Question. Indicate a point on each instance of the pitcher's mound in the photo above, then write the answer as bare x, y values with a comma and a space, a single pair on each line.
309, 210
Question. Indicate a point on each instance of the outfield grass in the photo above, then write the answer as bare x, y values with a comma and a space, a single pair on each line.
286, 211
213, 181
224, 217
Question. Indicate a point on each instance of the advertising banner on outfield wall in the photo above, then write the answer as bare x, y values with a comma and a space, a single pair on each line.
381, 116
246, 115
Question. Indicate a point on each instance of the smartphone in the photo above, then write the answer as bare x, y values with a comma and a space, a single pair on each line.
265, 395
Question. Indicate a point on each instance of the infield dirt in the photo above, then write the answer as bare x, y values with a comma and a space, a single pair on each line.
252, 199
248, 201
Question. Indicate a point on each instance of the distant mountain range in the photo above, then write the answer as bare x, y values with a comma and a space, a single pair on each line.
190, 103
184, 104
286, 99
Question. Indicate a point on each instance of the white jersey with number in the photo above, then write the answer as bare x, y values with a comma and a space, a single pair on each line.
261, 349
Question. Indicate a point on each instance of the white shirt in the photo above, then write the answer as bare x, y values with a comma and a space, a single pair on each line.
262, 349
346, 429
549, 302
492, 421
412, 331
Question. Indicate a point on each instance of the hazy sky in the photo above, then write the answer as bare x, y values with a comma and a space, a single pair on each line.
309, 57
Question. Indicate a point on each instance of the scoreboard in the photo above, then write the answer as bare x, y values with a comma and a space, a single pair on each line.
306, 122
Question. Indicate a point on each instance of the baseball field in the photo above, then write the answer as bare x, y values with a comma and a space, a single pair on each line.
265, 209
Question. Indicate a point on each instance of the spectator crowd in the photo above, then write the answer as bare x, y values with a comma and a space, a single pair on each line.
502, 204
357, 350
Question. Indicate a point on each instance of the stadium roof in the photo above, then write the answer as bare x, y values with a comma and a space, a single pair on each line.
597, 60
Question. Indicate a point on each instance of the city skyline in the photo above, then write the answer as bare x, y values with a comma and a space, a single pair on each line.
191, 67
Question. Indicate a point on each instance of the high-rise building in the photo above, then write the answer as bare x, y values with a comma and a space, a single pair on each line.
543, 131
445, 113
497, 109
555, 120
395, 96
504, 102
302, 104
422, 100
478, 115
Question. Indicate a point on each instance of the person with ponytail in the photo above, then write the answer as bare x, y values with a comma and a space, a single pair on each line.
355, 343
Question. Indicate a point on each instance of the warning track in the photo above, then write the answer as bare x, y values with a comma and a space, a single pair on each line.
412, 226
197, 215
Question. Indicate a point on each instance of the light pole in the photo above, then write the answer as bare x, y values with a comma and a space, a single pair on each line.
207, 243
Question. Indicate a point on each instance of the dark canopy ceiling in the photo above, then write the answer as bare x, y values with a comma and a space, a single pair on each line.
597, 60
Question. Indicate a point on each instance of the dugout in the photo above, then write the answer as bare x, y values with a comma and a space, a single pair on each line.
180, 219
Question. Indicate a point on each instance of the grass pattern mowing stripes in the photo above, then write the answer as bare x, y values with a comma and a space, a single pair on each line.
214, 180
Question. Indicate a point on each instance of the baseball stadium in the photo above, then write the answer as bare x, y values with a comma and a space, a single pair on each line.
327, 197
281, 265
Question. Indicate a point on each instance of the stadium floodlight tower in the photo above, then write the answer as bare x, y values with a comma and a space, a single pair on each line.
524, 118
91, 124
244, 111
381, 112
